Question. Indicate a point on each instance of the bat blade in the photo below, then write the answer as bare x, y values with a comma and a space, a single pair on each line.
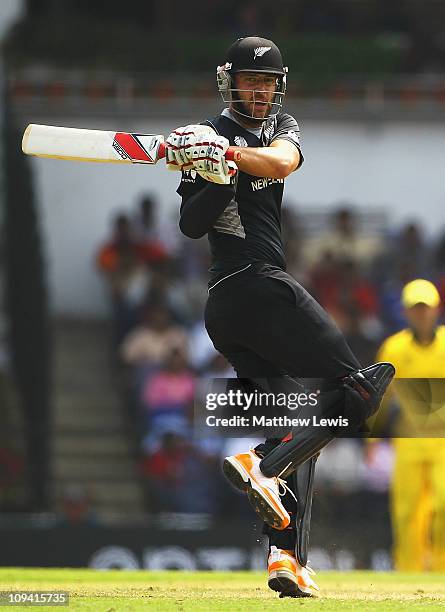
92, 145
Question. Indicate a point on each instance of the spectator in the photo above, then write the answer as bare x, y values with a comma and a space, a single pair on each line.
167, 398
361, 335
154, 339
147, 233
357, 294
407, 249
323, 280
180, 478
342, 289
344, 241
122, 262
76, 507
163, 469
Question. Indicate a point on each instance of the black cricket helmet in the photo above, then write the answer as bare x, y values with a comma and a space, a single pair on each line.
252, 54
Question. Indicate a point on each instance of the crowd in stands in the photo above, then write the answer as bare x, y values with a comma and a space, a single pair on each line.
157, 289
414, 27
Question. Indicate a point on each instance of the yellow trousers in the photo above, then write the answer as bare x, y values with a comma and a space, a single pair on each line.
418, 504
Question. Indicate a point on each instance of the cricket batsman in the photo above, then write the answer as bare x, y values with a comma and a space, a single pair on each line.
264, 322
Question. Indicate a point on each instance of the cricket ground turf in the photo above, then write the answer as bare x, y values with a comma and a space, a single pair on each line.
122, 591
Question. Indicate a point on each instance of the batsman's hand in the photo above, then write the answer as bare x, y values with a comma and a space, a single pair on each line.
180, 142
209, 161
198, 147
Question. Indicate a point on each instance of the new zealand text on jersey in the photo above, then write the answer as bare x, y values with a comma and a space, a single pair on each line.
262, 183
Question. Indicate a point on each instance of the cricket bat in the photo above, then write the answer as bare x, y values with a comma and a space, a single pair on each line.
97, 145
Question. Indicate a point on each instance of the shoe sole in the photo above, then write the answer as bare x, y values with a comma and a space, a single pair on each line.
285, 584
280, 581
233, 475
240, 478
296, 593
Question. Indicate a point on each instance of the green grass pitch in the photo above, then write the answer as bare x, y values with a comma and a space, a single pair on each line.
122, 591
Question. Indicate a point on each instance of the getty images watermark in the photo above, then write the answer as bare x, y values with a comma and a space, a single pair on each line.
273, 407
227, 410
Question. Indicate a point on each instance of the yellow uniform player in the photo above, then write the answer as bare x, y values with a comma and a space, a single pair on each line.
418, 486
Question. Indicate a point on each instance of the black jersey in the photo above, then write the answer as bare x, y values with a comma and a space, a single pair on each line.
249, 229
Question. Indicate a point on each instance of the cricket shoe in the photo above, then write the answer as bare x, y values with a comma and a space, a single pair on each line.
264, 493
288, 577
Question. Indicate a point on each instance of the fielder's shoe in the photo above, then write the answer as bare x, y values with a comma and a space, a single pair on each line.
244, 473
288, 577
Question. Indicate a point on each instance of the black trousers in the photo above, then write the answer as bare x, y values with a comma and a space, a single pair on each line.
267, 326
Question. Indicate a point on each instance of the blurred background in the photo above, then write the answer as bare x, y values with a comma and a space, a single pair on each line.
102, 342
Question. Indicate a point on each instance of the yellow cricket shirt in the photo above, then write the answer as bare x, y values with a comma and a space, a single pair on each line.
422, 401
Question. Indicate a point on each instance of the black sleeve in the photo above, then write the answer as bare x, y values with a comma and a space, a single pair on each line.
201, 207
287, 129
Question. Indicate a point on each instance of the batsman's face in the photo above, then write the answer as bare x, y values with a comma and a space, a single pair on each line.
256, 91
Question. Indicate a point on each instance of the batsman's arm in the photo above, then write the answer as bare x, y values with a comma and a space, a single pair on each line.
278, 160
200, 211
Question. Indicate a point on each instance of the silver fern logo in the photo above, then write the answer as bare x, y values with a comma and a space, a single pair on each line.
260, 51
240, 141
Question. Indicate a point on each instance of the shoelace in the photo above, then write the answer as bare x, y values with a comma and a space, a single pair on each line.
283, 484
309, 572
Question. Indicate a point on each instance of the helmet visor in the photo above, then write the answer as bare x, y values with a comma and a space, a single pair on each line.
254, 103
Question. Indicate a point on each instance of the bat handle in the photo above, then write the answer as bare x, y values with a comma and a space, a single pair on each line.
232, 154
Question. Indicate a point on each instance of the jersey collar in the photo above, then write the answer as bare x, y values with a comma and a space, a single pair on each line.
255, 131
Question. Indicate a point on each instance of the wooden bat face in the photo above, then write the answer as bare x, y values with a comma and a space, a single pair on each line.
92, 145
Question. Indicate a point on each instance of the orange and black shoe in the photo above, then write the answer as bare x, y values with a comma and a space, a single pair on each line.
288, 577
264, 493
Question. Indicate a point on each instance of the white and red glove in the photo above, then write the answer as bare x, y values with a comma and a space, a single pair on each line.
178, 145
198, 147
209, 161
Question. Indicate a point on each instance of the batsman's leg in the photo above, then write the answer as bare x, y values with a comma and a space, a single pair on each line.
289, 573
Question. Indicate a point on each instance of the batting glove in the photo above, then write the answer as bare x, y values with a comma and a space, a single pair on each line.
180, 143
209, 162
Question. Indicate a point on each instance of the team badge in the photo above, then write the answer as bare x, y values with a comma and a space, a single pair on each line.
240, 141
260, 51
